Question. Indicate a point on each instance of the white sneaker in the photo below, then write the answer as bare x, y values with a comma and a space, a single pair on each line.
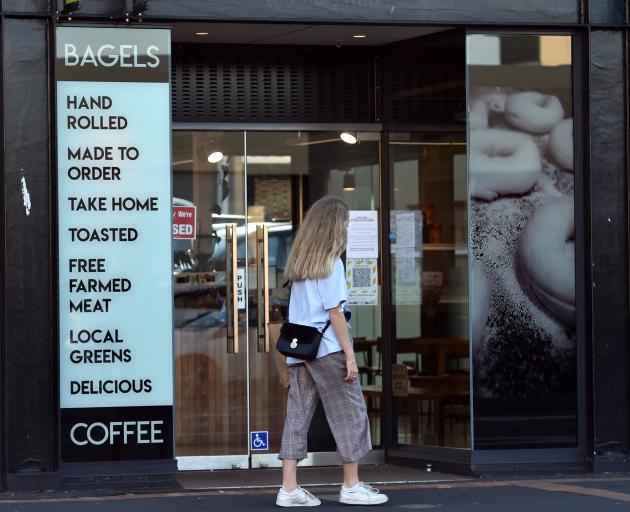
296, 498
361, 494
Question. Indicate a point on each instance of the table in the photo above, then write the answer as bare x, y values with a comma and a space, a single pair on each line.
442, 391
439, 348
442, 347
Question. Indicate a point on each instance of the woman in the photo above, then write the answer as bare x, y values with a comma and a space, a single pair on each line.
318, 293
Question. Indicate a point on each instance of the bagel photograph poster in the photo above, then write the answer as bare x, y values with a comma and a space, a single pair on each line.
521, 187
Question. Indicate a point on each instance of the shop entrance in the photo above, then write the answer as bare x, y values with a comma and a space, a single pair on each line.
404, 100
244, 194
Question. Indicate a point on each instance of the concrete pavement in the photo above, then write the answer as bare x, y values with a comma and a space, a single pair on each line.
575, 494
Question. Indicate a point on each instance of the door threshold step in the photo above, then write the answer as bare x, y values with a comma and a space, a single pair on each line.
268, 478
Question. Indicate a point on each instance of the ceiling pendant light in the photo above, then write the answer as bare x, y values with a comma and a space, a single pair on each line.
215, 157
349, 137
348, 182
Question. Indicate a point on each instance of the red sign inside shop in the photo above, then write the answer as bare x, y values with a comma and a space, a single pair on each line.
184, 222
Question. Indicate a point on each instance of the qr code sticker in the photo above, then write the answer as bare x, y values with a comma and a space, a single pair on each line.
361, 277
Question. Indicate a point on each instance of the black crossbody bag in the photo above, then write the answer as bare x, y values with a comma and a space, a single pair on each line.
299, 341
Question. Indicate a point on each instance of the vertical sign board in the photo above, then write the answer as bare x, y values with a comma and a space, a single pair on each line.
115, 290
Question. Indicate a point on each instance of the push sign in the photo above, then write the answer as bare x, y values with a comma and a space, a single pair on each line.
240, 288
259, 441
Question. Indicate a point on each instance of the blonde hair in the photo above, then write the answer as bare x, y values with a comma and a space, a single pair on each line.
320, 240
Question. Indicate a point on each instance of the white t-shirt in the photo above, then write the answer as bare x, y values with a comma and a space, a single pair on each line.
310, 300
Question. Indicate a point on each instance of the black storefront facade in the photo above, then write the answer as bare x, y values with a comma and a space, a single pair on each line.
492, 331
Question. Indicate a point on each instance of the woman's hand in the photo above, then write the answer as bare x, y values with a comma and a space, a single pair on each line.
339, 325
352, 370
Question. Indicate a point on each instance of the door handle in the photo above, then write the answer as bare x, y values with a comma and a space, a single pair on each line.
231, 289
262, 286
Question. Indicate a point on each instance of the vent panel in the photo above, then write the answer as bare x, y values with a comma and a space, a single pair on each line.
427, 84
271, 84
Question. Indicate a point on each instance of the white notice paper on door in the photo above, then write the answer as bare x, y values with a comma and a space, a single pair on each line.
406, 272
363, 234
405, 229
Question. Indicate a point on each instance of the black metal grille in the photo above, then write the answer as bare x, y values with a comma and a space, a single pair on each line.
271, 84
427, 82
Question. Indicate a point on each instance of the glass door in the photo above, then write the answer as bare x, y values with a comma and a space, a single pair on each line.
286, 173
210, 332
244, 194
429, 263
429, 276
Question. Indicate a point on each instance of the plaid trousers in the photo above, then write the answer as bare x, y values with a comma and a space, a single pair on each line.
343, 403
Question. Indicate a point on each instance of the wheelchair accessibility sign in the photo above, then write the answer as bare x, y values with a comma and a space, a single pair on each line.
259, 441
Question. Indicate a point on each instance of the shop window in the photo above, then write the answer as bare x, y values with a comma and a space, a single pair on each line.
521, 186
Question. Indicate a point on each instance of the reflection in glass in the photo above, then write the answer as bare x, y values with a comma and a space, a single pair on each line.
271, 185
522, 225
430, 288
211, 384
286, 172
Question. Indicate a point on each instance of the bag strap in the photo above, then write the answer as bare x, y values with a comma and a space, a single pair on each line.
287, 284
